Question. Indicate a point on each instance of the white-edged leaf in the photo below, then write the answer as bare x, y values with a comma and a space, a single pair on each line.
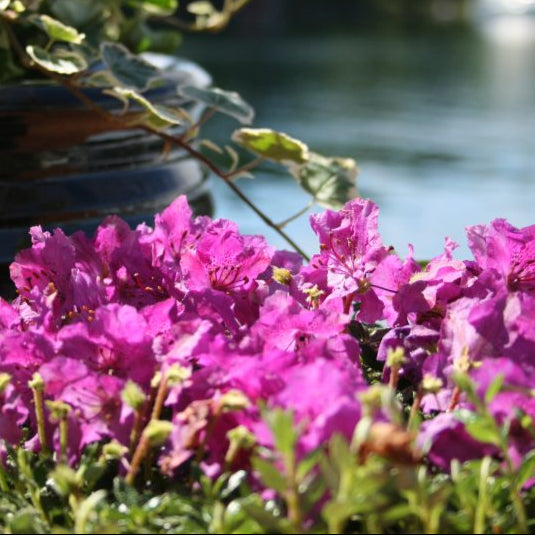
331, 181
272, 145
56, 30
160, 116
234, 158
102, 79
211, 145
60, 61
201, 8
128, 69
227, 102
158, 7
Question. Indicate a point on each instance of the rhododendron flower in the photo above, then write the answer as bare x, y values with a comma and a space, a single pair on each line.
506, 249
284, 323
350, 245
225, 260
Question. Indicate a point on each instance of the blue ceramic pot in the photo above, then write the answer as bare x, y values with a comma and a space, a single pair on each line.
61, 165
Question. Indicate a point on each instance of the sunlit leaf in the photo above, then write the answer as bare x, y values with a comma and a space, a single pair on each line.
162, 116
233, 483
227, 102
481, 427
234, 158
156, 7
210, 145
201, 8
85, 508
309, 462
128, 69
4, 4
60, 61
526, 470
272, 145
494, 388
269, 522
284, 431
270, 474
56, 30
331, 181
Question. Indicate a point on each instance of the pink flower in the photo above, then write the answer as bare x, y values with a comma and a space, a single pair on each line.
506, 249
284, 323
350, 245
225, 260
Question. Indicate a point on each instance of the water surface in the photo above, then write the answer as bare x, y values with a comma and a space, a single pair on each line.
441, 123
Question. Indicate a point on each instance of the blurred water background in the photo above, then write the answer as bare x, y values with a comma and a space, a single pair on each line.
435, 99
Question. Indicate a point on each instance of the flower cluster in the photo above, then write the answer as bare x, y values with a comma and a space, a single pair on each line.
191, 323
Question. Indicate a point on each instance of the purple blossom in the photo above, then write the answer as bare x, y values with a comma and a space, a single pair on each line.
507, 249
350, 246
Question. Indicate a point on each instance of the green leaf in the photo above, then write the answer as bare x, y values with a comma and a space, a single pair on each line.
233, 484
102, 79
4, 4
494, 388
56, 30
270, 475
159, 116
201, 8
60, 61
282, 426
227, 102
331, 181
481, 427
266, 519
85, 509
309, 462
156, 7
25, 521
526, 470
272, 145
128, 69
77, 14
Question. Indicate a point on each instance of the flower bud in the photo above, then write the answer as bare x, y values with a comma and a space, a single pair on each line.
36, 382
132, 395
157, 432
113, 450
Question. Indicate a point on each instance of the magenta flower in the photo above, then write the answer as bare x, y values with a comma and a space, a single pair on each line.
350, 245
284, 324
114, 342
225, 260
506, 249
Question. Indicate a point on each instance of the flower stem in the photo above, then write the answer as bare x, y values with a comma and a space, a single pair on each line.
63, 434
40, 417
143, 445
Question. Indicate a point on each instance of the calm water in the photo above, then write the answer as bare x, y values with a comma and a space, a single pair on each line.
441, 123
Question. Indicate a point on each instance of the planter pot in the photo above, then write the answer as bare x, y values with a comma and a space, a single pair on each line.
64, 166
